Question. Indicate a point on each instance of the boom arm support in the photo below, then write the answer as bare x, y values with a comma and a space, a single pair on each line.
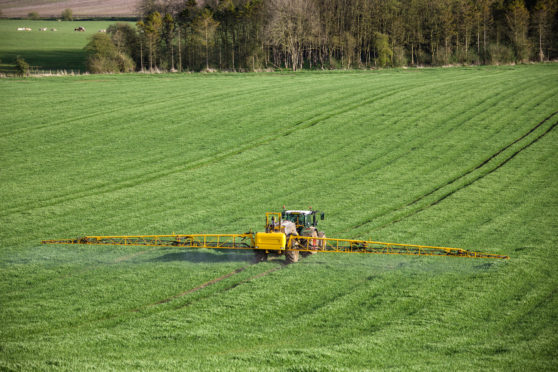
221, 241
312, 244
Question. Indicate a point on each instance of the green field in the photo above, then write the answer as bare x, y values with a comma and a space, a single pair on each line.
46, 50
461, 157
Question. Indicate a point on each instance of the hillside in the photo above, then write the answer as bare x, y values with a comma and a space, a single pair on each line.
460, 157
80, 8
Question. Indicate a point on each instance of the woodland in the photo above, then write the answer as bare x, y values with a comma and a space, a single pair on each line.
252, 35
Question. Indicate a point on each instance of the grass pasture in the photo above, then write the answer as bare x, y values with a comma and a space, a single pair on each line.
461, 157
46, 50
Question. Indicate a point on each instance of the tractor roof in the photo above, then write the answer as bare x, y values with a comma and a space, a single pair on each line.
299, 212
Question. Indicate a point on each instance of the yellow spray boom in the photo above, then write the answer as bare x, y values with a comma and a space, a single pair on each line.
278, 239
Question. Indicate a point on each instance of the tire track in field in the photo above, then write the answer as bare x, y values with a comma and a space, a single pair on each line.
172, 169
255, 277
96, 113
150, 103
145, 104
444, 130
89, 267
391, 156
478, 107
476, 178
216, 158
210, 283
467, 112
321, 307
213, 282
435, 135
92, 191
154, 102
152, 175
498, 166
134, 255
231, 94
482, 164
195, 289
150, 307
180, 167
232, 286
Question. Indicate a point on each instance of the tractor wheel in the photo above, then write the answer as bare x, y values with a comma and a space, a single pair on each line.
321, 243
291, 257
313, 244
260, 255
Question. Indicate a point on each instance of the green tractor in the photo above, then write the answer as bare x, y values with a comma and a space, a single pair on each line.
306, 222
291, 224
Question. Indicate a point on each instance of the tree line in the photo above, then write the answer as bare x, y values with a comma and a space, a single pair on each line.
247, 35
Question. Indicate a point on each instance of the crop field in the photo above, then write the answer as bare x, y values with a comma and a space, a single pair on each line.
460, 157
46, 50
80, 8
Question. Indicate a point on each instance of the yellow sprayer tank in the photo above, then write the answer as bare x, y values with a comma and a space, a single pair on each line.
271, 241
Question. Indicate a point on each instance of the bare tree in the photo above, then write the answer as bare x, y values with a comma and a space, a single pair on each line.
146, 7
243, 34
205, 27
466, 13
542, 21
414, 25
517, 18
294, 23
169, 27
484, 19
151, 29
67, 14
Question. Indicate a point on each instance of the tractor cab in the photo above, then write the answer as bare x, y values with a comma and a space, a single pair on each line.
302, 219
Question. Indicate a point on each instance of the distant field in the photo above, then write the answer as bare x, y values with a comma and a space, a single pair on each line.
80, 8
46, 50
460, 157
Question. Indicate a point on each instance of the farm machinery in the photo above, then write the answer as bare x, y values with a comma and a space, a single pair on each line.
293, 233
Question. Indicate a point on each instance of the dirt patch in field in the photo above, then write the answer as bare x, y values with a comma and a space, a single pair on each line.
255, 277
212, 282
200, 287
80, 8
